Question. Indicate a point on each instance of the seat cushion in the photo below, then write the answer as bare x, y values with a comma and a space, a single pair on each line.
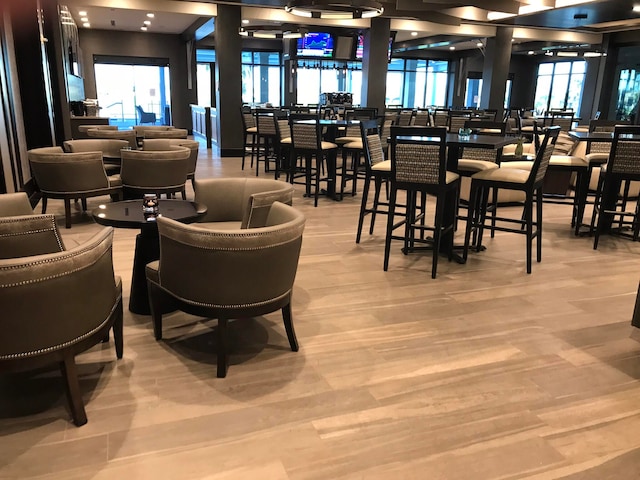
252, 130
328, 145
597, 158
567, 161
353, 145
470, 165
286, 141
505, 175
343, 140
518, 165
384, 166
451, 177
231, 225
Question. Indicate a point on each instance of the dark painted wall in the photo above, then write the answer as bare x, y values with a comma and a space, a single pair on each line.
132, 44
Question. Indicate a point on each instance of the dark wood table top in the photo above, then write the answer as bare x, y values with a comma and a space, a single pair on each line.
129, 214
474, 140
591, 136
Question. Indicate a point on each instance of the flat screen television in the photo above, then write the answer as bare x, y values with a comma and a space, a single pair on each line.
315, 44
344, 48
360, 46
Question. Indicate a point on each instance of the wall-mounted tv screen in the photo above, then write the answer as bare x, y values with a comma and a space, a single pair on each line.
315, 44
344, 48
360, 46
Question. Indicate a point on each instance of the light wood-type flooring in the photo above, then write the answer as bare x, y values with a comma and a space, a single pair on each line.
484, 373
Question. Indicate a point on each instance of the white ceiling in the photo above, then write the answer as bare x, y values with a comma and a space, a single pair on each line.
176, 16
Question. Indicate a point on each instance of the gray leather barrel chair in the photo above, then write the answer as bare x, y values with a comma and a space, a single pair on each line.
227, 274
239, 202
167, 143
110, 148
56, 303
70, 176
170, 133
155, 171
128, 135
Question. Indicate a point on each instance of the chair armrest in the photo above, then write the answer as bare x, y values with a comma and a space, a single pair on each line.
27, 235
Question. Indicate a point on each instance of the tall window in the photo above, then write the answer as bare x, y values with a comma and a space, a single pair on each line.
325, 76
261, 78
559, 85
417, 83
205, 77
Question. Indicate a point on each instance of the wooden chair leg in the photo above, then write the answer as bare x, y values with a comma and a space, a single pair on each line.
155, 305
67, 213
363, 207
222, 347
288, 326
117, 329
390, 217
44, 204
70, 374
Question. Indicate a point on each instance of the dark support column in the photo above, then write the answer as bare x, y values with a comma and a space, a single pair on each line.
228, 80
496, 69
375, 64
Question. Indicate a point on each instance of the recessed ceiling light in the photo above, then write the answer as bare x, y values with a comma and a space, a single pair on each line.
86, 25
82, 13
636, 8
479, 44
151, 15
84, 19
144, 29
452, 48
530, 52
414, 34
245, 21
147, 22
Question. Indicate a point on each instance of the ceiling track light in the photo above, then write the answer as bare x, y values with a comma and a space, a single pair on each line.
335, 9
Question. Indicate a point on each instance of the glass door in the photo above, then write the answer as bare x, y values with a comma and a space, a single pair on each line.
628, 94
133, 94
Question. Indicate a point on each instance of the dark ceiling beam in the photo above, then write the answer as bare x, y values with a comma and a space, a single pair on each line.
507, 6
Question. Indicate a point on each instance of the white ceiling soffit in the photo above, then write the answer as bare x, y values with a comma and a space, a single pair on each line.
466, 29
556, 35
257, 14
188, 8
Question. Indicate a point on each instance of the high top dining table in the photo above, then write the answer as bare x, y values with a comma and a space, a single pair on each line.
455, 145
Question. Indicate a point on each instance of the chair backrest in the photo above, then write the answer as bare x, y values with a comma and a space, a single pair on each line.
109, 147
486, 127
372, 143
624, 159
267, 124
422, 118
543, 155
244, 200
128, 135
421, 159
248, 120
457, 121
305, 134
603, 126
27, 235
57, 172
155, 171
440, 117
74, 290
155, 144
179, 133
15, 204
231, 268
404, 118
563, 119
